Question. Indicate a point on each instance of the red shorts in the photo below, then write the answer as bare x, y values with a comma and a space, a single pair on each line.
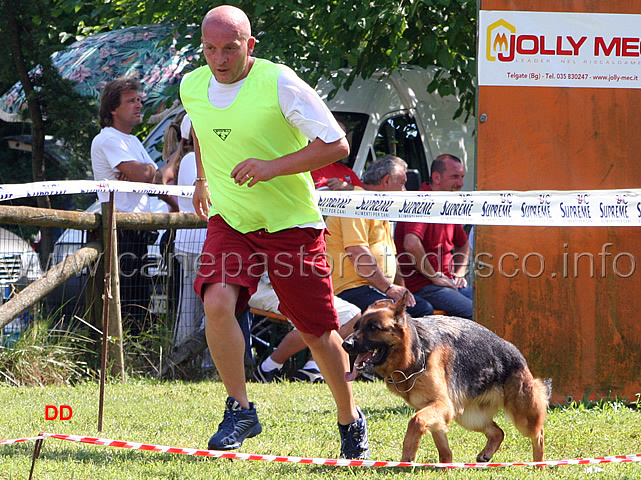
297, 265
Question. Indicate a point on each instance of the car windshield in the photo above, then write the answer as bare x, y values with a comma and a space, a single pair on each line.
399, 136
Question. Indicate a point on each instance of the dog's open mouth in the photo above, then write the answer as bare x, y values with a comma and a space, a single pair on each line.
364, 361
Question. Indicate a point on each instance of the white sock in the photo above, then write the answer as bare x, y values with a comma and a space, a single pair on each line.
268, 365
311, 364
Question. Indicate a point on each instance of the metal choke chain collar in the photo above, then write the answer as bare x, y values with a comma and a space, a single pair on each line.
416, 375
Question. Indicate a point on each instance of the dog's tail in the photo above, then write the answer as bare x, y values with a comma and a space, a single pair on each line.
527, 408
541, 398
541, 391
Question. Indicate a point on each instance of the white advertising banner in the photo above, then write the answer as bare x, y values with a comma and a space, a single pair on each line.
559, 49
534, 208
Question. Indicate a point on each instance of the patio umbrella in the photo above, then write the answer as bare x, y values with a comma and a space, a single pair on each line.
93, 61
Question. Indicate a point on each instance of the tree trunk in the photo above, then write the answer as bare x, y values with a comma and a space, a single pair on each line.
37, 128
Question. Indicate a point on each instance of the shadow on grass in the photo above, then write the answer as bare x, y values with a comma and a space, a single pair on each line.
402, 411
324, 470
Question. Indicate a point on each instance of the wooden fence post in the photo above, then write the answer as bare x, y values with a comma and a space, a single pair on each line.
114, 331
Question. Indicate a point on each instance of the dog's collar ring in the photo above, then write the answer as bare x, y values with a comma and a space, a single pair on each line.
414, 376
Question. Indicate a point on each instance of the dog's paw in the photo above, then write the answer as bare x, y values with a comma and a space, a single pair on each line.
483, 458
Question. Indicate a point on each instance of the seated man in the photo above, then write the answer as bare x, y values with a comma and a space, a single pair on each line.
371, 272
271, 368
433, 257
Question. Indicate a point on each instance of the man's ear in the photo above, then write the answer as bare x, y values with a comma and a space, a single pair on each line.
251, 43
436, 178
386, 180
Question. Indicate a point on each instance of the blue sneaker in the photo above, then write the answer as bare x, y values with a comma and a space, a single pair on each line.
237, 425
354, 443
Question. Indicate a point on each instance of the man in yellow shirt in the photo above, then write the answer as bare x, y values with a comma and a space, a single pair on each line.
362, 249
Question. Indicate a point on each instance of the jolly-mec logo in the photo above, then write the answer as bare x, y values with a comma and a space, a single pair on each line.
505, 43
499, 37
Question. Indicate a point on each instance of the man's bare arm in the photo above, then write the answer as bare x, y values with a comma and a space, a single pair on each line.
366, 266
201, 200
461, 258
315, 155
135, 171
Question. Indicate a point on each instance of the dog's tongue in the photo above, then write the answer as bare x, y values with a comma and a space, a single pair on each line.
351, 376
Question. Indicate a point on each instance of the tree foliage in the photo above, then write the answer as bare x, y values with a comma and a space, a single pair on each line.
317, 38
31, 33
35, 30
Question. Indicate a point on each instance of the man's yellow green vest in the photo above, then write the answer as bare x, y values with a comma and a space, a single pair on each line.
253, 126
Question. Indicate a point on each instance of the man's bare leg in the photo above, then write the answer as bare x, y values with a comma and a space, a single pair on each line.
333, 363
225, 339
291, 344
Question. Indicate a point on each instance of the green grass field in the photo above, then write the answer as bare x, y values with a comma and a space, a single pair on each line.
298, 420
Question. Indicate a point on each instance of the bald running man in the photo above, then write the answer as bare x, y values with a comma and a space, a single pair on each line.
259, 130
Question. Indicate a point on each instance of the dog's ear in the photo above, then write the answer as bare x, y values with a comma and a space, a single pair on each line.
401, 305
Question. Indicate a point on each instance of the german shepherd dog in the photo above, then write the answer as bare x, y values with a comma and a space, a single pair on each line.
449, 368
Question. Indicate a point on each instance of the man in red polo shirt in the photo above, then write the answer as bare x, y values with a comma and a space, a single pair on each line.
439, 252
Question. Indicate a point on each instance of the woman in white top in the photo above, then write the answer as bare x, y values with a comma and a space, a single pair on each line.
187, 248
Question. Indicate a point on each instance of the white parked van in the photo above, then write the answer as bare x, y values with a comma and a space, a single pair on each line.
394, 114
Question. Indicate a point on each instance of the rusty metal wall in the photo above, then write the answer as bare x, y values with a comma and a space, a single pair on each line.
579, 321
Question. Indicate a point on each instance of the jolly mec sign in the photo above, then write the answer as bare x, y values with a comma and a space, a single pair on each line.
559, 49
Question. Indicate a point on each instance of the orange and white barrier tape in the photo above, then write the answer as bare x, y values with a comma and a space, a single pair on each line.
330, 461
